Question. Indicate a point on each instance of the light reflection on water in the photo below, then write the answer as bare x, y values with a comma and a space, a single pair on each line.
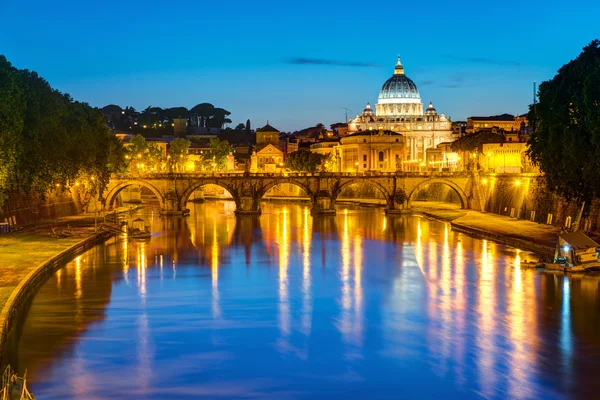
287, 306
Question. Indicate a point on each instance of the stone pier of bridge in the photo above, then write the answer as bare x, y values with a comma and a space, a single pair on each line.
173, 190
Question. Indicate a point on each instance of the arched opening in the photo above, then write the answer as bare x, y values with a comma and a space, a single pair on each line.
133, 193
211, 196
286, 192
437, 194
362, 192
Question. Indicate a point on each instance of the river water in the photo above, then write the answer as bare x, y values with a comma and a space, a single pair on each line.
289, 307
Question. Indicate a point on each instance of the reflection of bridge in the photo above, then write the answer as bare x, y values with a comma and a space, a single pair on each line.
174, 189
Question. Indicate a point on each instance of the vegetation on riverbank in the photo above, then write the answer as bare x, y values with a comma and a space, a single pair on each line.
565, 140
48, 140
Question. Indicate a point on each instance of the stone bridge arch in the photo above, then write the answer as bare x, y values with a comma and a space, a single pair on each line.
115, 190
289, 181
387, 193
464, 201
187, 193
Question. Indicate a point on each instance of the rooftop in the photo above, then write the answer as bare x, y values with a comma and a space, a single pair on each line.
501, 117
267, 128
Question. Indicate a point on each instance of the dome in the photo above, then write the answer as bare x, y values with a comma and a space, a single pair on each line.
399, 87
430, 110
368, 111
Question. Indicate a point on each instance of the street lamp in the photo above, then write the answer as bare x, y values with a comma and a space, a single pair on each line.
356, 164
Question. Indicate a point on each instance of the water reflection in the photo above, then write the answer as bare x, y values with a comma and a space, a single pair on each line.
290, 306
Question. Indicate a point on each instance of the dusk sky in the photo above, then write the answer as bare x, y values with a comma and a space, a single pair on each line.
296, 63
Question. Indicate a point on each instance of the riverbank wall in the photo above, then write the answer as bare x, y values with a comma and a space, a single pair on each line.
20, 209
525, 196
21, 295
523, 243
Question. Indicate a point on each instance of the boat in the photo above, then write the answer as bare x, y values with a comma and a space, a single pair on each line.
532, 264
139, 232
575, 252
13, 387
136, 233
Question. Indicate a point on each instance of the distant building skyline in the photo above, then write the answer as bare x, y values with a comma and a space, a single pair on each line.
302, 68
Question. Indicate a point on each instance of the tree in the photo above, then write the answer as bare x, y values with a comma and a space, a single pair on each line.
303, 160
565, 139
248, 130
47, 139
219, 153
179, 152
239, 127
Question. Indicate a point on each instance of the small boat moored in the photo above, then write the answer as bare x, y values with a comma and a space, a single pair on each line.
532, 264
140, 231
575, 252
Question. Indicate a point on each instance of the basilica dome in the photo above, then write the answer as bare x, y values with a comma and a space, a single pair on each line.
399, 87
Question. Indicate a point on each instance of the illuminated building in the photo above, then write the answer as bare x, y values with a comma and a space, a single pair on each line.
399, 109
372, 151
268, 159
267, 135
507, 122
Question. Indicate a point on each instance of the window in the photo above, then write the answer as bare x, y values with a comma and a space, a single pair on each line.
364, 140
364, 165
397, 140
364, 157
380, 156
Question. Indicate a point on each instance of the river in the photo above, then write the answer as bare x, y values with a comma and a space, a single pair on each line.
285, 306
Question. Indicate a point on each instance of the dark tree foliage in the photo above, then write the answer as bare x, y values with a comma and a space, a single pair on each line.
47, 139
248, 128
303, 160
565, 139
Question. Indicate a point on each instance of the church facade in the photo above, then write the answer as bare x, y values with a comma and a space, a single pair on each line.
399, 109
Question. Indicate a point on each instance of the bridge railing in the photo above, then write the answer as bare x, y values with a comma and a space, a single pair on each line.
365, 174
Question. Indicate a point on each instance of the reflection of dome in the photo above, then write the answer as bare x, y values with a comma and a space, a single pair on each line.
368, 111
430, 110
399, 86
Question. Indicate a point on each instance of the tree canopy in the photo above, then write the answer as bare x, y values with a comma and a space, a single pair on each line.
565, 139
304, 160
47, 138
157, 121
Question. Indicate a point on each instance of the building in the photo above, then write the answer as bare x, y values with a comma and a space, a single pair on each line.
331, 149
180, 127
372, 151
459, 128
507, 157
267, 135
508, 122
399, 109
267, 159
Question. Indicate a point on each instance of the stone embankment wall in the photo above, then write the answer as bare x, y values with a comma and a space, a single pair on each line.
20, 297
526, 197
24, 209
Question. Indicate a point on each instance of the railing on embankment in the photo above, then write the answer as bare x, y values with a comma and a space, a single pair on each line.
28, 285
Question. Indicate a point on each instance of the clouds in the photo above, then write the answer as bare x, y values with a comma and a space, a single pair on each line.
321, 61
451, 82
483, 60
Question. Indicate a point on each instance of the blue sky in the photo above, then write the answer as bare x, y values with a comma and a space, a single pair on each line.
469, 58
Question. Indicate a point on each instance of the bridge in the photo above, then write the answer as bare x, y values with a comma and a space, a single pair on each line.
173, 190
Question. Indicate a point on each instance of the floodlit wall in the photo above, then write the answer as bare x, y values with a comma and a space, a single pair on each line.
22, 209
